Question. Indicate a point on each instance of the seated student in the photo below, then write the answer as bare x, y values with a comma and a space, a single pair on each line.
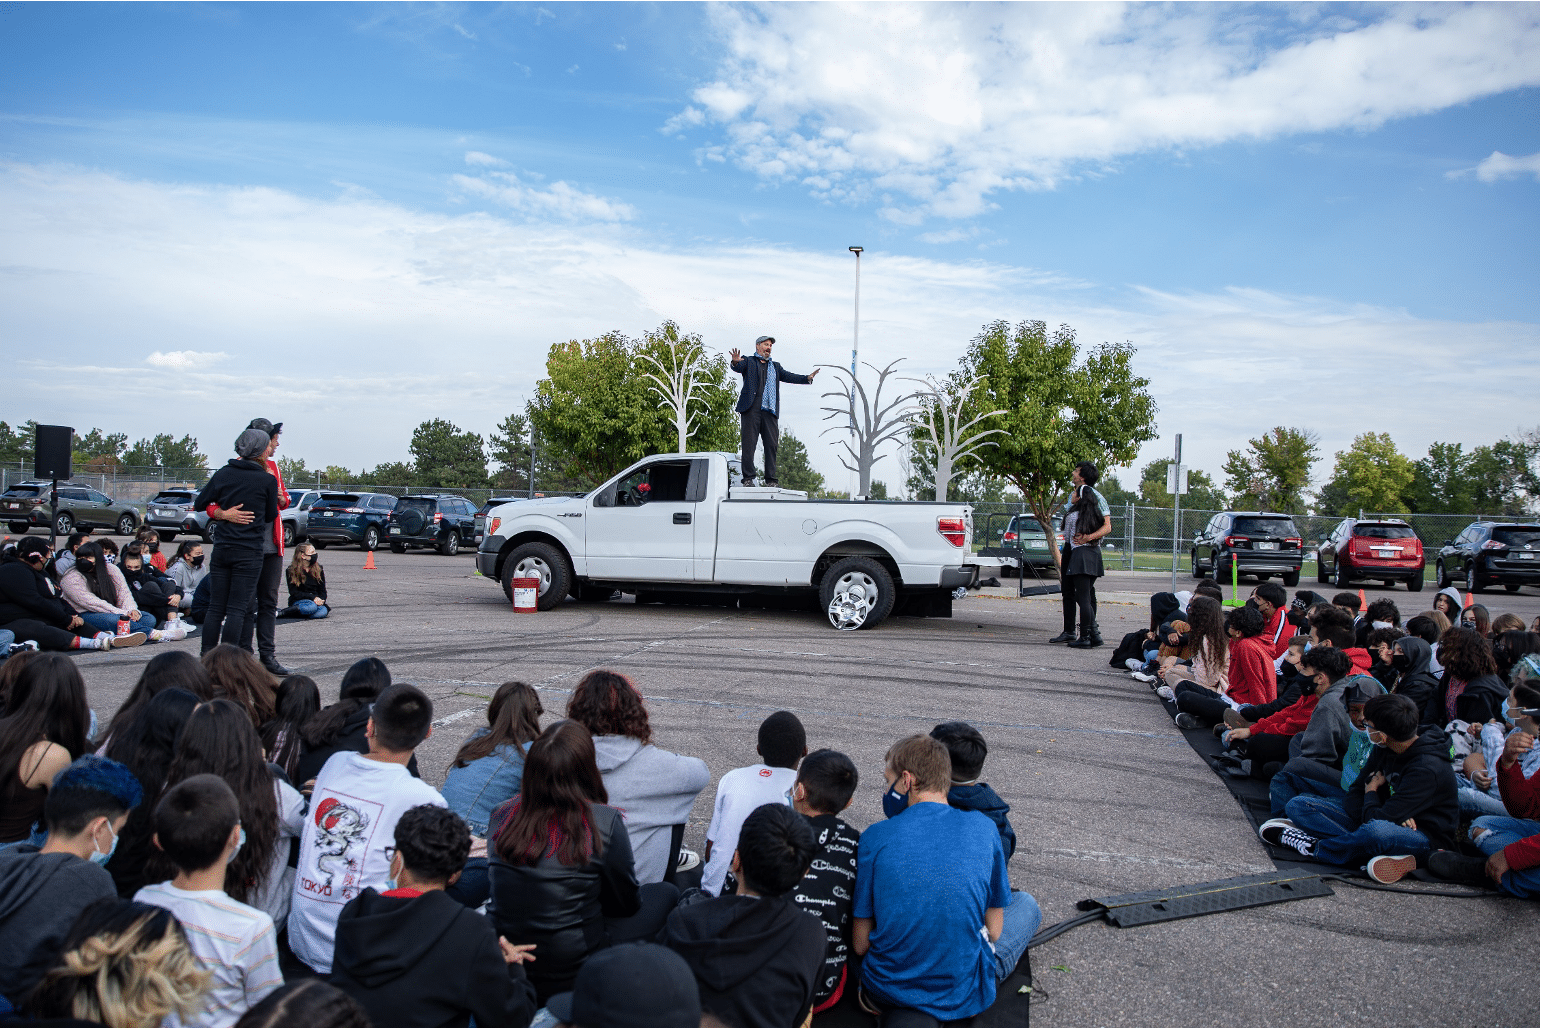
1430, 626
756, 955
42, 892
413, 955
1380, 614
1202, 689
1448, 603
633, 984
1471, 690
147, 746
348, 835
1269, 740
101, 978
296, 702
1406, 782
312, 1002
489, 766
654, 789
341, 726
1272, 602
1290, 692
1379, 643
930, 879
782, 744
967, 749
1410, 658
1476, 617
44, 729
31, 607
1308, 770
1331, 624
188, 572
307, 585
826, 781
198, 826
561, 864
1348, 603
96, 589
1509, 842
153, 594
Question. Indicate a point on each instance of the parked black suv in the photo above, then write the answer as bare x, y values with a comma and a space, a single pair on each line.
1490, 553
357, 518
432, 520
1258, 543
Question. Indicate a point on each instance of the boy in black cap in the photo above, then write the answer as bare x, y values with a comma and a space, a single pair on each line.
759, 405
632, 984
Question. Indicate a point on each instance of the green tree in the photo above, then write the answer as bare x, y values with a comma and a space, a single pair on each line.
336, 474
16, 444
391, 473
1441, 481
445, 456
167, 452
1273, 473
99, 451
878, 490
294, 471
1059, 408
1202, 495
1113, 491
509, 445
794, 468
1373, 476
1502, 477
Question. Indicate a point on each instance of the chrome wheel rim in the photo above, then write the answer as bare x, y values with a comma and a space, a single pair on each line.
533, 568
856, 594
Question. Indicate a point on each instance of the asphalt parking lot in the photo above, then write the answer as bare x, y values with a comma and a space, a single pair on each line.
1107, 797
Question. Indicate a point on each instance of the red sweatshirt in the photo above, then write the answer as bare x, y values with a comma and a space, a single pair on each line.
1289, 721
1359, 659
1520, 797
1278, 634
1251, 673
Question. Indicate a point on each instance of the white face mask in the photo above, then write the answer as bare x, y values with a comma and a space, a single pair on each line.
100, 857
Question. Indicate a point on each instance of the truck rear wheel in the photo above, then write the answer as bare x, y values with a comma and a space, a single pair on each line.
538, 561
856, 593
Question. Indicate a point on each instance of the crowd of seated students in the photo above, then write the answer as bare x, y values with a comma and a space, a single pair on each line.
227, 851
1385, 746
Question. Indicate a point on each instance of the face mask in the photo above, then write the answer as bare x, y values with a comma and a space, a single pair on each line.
112, 559
1467, 623
1507, 716
312, 558
1380, 625
198, 561
154, 548
894, 802
85, 567
1401, 662
99, 858
240, 842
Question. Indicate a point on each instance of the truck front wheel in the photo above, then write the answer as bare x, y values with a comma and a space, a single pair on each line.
538, 561
857, 593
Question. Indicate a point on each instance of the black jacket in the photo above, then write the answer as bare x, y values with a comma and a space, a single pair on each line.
250, 485
753, 370
1483, 700
351, 737
427, 960
827, 892
980, 797
311, 587
562, 908
40, 896
1420, 784
26, 592
756, 959
1418, 684
147, 588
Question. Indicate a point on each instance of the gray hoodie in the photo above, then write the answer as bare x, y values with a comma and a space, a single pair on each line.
1325, 737
40, 897
654, 791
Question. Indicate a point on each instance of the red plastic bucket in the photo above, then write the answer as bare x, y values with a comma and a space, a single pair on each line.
526, 595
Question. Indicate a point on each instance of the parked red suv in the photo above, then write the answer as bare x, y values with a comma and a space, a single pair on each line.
1383, 549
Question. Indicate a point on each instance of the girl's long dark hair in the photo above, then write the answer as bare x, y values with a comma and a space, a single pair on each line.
513, 717
236, 675
551, 813
220, 739
100, 580
361, 684
607, 703
171, 670
298, 702
146, 744
1466, 654
1088, 516
47, 702
1207, 628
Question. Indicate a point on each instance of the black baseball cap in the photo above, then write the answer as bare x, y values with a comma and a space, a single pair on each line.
271, 428
631, 984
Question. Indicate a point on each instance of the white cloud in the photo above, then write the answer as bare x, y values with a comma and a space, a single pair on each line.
559, 200
353, 319
1499, 165
955, 235
476, 158
185, 360
932, 108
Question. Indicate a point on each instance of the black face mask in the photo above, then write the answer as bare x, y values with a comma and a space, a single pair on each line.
154, 548
197, 562
86, 567
312, 558
1401, 662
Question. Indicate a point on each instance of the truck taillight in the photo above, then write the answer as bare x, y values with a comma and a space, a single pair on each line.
952, 531
492, 526
1235, 541
1010, 537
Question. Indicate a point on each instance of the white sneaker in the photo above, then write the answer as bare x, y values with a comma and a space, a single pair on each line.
1142, 676
1134, 664
1165, 693
127, 639
174, 631
689, 861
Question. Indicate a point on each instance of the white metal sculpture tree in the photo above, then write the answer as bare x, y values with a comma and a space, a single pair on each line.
874, 422
681, 372
939, 423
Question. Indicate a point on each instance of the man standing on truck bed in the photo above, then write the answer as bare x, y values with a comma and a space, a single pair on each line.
759, 405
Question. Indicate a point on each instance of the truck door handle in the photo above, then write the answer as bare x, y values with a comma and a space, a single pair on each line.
682, 518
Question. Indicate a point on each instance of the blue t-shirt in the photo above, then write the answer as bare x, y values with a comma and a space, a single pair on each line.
926, 877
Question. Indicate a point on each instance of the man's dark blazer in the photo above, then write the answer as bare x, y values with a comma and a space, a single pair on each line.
752, 369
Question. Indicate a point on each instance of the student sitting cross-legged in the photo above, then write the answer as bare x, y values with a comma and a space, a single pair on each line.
413, 955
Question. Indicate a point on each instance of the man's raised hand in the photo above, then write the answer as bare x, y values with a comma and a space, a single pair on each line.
734, 355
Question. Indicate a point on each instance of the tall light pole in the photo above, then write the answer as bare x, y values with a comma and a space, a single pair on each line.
855, 341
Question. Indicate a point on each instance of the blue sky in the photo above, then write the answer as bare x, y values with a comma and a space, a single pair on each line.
1260, 198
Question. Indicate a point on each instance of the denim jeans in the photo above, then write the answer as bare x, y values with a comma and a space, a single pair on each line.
1286, 785
310, 609
7, 637
1504, 830
1342, 843
103, 622
233, 575
1022, 919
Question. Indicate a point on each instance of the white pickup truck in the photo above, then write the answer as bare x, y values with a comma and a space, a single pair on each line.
677, 524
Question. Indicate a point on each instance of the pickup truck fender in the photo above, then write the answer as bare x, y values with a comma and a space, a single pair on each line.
524, 525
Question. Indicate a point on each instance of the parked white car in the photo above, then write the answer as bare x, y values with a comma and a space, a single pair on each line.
678, 524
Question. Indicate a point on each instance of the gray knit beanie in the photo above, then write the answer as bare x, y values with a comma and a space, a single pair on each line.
251, 443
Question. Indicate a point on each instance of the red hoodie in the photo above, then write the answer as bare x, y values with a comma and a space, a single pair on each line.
1289, 721
1359, 659
1251, 673
1520, 797
1278, 634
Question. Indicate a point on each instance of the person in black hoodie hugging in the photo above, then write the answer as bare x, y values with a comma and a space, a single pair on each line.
756, 955
1403, 805
413, 955
243, 484
967, 749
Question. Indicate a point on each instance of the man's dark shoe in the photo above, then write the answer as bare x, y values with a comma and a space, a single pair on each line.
1064, 637
271, 664
773, 482
1458, 868
1096, 635
748, 482
1082, 643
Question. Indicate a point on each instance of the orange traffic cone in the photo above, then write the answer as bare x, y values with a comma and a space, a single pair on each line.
1468, 600
369, 562
1363, 607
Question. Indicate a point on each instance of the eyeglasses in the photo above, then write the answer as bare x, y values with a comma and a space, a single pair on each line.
390, 854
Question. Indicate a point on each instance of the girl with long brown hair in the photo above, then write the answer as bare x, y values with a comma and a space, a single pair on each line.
489, 767
238, 676
44, 729
307, 585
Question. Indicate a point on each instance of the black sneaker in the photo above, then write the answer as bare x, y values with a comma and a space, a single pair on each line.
1458, 868
1068, 636
1186, 721
271, 664
1300, 841
1273, 830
